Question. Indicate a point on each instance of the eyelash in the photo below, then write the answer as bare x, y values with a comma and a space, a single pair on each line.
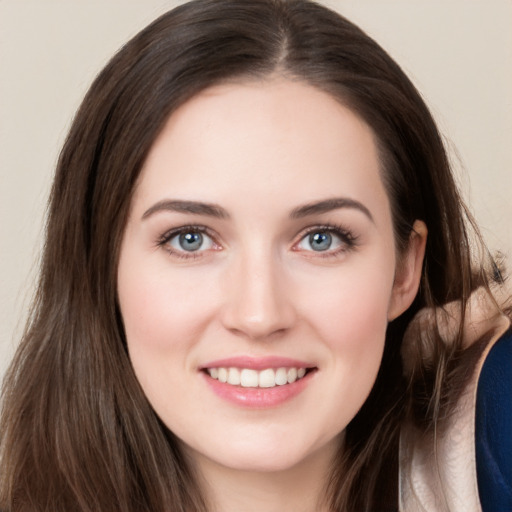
164, 240
347, 238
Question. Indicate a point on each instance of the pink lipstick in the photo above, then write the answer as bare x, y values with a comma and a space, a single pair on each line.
257, 382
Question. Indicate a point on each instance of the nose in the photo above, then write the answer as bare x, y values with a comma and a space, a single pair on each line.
258, 301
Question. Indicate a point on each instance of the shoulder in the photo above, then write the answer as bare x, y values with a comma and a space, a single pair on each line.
460, 466
493, 427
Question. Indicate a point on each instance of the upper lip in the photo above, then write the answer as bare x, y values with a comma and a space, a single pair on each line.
257, 363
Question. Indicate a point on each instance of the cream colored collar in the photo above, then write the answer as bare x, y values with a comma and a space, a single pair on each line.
438, 469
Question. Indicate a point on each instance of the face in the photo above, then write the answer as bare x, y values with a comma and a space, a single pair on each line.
258, 273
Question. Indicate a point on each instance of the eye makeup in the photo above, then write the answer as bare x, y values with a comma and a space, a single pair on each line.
326, 240
189, 241
193, 241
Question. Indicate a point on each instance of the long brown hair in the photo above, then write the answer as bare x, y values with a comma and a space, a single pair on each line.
77, 432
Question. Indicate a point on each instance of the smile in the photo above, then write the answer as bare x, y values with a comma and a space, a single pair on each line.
250, 378
258, 382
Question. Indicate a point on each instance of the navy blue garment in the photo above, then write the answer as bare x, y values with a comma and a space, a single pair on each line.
493, 428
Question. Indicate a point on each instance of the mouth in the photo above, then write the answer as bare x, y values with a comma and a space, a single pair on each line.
258, 383
252, 378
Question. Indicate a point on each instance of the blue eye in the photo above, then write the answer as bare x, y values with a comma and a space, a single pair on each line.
326, 239
190, 241
320, 241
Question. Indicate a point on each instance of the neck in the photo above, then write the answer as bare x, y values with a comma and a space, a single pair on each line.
300, 488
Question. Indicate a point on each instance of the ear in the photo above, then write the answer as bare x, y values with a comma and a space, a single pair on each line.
408, 272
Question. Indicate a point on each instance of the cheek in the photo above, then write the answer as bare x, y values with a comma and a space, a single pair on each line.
350, 317
164, 314
350, 306
161, 309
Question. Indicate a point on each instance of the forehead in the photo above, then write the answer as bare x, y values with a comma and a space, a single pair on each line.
278, 140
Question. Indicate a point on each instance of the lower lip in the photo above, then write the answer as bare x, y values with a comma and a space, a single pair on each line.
258, 398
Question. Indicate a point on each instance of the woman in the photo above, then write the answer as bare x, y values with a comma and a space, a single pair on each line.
251, 206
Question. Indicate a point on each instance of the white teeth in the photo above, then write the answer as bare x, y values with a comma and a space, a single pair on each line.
281, 376
292, 375
234, 376
223, 375
267, 378
249, 378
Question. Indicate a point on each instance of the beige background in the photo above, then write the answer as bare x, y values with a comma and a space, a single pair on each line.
458, 53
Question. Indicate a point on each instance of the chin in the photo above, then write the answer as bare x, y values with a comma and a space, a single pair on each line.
256, 463
266, 455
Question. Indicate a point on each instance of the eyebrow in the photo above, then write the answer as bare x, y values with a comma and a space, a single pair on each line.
328, 205
194, 207
213, 210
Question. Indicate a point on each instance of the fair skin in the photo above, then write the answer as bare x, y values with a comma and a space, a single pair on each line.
226, 266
